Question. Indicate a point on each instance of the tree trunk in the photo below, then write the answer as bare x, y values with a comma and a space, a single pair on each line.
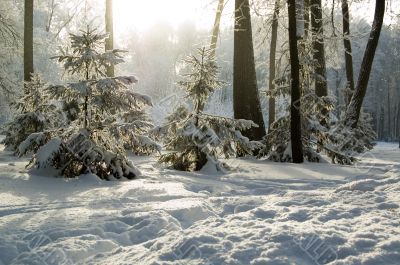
348, 51
398, 123
246, 100
353, 110
28, 40
389, 112
321, 87
306, 18
86, 102
382, 123
217, 22
52, 7
272, 64
295, 120
110, 30
305, 75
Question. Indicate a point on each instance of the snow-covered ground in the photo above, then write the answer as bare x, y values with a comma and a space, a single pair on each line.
260, 213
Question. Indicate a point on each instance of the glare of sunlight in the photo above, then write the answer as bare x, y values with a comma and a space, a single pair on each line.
139, 15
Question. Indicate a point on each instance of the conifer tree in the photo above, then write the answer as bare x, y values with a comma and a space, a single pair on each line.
194, 137
90, 144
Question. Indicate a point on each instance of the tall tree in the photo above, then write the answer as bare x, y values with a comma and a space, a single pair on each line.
272, 63
246, 99
110, 31
353, 110
295, 119
215, 33
348, 50
28, 40
321, 87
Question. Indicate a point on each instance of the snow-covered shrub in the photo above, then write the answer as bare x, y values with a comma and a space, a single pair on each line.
349, 142
107, 109
82, 152
133, 129
322, 131
35, 114
194, 138
316, 118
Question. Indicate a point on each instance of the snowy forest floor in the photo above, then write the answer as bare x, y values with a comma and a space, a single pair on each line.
260, 213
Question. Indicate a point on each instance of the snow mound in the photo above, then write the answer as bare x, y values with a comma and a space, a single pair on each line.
390, 180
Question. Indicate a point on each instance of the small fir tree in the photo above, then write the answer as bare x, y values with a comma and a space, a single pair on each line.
194, 138
108, 108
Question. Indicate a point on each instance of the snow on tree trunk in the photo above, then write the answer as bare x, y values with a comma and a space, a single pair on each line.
215, 33
272, 63
348, 51
109, 43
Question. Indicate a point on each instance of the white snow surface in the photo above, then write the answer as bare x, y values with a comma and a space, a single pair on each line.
260, 213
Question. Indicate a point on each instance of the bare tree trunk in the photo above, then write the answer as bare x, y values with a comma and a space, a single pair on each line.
295, 120
389, 116
86, 103
217, 22
353, 110
52, 7
321, 87
28, 40
348, 50
110, 30
305, 76
398, 123
306, 18
246, 100
272, 64
382, 123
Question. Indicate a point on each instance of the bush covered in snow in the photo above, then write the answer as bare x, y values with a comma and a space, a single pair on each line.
349, 142
35, 113
82, 152
111, 116
195, 138
322, 131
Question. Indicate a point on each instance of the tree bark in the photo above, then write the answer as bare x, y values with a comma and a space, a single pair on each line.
295, 119
348, 50
398, 123
246, 100
28, 40
217, 22
110, 30
52, 7
353, 110
321, 87
306, 18
389, 112
272, 64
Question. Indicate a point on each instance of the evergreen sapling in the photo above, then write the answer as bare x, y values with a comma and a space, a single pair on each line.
193, 137
93, 143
